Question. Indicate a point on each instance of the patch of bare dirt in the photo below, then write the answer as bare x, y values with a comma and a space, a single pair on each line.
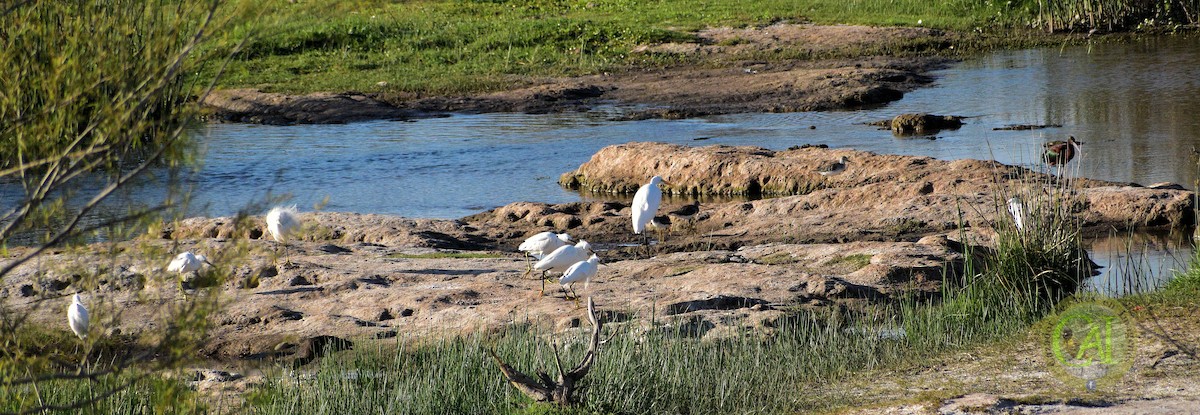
734, 79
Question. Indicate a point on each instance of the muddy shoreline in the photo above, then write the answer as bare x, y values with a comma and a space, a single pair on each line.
733, 78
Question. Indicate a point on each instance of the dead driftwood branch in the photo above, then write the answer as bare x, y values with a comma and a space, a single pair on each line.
545, 389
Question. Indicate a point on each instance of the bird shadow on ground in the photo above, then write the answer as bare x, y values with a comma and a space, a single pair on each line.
291, 291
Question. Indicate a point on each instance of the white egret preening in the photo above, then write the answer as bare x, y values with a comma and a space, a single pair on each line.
580, 271
77, 317
645, 204
830, 169
185, 263
282, 222
1017, 209
561, 259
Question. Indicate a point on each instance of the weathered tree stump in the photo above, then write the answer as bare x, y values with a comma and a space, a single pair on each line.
561, 391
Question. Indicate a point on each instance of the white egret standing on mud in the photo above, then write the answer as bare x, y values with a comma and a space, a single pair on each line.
77, 317
282, 222
645, 204
543, 243
580, 271
187, 262
561, 259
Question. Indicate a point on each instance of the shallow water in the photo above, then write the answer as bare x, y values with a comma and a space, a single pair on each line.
1133, 105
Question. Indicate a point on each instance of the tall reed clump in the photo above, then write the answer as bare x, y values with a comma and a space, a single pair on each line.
1110, 15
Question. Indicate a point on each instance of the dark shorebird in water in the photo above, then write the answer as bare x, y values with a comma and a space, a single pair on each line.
1059, 153
832, 168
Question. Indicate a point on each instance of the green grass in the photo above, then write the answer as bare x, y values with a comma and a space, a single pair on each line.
144, 395
854, 262
778, 258
440, 255
441, 46
665, 368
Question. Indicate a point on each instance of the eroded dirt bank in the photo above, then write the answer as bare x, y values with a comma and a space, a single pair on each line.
734, 79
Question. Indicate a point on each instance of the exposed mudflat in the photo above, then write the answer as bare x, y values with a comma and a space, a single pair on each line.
733, 79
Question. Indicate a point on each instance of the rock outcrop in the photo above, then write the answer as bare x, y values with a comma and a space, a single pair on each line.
877, 197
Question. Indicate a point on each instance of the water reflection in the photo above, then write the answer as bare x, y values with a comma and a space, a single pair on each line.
1137, 262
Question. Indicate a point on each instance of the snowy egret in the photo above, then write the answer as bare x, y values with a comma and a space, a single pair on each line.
833, 168
645, 204
282, 222
1017, 209
580, 271
1061, 152
561, 259
77, 317
185, 263
544, 243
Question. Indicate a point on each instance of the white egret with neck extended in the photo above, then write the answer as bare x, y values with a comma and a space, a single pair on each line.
77, 317
645, 204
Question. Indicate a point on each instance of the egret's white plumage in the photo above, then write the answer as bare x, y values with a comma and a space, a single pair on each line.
544, 243
580, 271
645, 204
1017, 209
186, 262
77, 317
282, 222
563, 257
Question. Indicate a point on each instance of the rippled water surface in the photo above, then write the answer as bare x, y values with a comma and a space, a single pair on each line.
1133, 105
